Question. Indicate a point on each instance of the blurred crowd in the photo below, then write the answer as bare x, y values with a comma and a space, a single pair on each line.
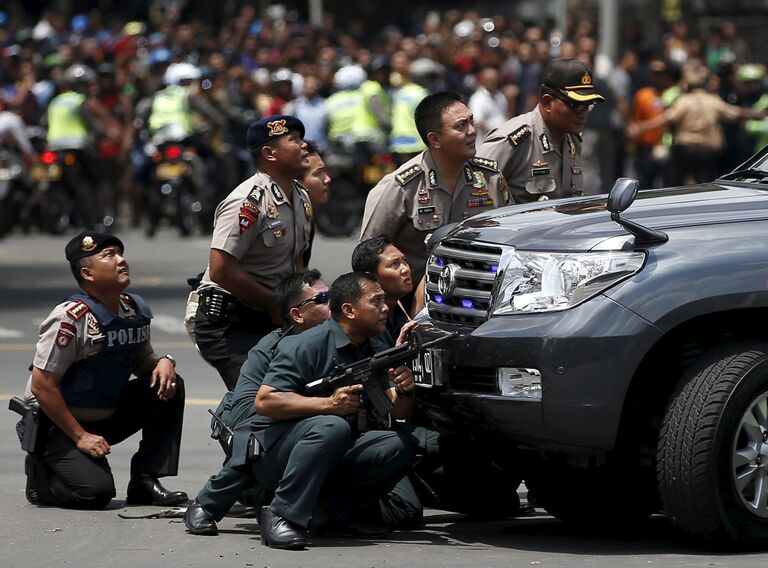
258, 65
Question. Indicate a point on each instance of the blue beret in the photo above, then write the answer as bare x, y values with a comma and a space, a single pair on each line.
267, 129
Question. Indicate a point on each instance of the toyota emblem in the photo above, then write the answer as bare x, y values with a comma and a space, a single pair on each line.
446, 283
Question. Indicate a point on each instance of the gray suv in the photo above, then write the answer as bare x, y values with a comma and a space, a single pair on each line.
613, 351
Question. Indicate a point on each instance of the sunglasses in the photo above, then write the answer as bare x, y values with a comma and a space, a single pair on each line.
575, 106
319, 298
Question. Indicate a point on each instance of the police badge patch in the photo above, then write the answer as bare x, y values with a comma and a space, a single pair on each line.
247, 217
277, 193
65, 334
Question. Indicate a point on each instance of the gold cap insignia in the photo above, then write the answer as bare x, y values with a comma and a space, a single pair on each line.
88, 244
277, 127
586, 79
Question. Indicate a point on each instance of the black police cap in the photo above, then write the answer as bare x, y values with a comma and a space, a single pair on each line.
573, 78
89, 243
267, 129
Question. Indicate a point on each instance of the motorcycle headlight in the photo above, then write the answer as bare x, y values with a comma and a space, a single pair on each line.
548, 281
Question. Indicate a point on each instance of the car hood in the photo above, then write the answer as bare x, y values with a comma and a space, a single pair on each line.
584, 223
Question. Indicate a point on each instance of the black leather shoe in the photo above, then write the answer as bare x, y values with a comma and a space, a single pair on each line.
145, 489
198, 521
276, 532
242, 511
30, 467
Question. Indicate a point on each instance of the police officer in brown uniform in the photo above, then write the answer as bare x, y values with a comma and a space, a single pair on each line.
539, 152
260, 233
443, 184
89, 347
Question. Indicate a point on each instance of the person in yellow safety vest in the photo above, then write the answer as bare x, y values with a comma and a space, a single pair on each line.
170, 115
68, 121
752, 75
405, 141
349, 120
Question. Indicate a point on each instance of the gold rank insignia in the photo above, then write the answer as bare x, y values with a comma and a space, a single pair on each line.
432, 178
407, 175
571, 148
485, 163
277, 127
88, 244
78, 310
307, 210
272, 211
278, 233
519, 134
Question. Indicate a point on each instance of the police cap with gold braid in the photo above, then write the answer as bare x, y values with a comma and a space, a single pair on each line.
89, 243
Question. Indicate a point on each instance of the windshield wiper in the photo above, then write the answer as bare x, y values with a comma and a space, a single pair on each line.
748, 173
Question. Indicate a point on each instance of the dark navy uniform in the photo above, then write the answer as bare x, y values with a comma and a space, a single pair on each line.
95, 351
303, 457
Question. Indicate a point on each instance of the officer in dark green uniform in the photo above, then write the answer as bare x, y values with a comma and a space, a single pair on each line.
303, 302
309, 444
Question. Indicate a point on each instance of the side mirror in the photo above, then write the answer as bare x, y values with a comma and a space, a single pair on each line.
622, 194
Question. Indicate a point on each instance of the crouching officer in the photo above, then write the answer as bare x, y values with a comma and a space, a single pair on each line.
443, 184
260, 233
89, 347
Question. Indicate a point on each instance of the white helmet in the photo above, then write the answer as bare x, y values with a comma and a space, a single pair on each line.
178, 72
349, 77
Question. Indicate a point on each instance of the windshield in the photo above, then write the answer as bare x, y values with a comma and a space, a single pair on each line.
756, 168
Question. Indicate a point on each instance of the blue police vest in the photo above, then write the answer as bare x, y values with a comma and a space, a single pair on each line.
100, 381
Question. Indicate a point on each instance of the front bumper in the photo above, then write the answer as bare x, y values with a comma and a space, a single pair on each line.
587, 357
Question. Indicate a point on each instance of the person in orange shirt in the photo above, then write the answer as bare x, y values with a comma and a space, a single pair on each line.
651, 152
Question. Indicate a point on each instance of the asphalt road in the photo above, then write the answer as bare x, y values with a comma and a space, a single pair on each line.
34, 276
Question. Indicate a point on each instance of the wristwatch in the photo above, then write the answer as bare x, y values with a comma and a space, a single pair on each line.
170, 358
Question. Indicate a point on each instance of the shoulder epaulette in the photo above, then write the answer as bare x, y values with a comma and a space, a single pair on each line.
128, 300
519, 134
578, 137
78, 310
486, 163
407, 175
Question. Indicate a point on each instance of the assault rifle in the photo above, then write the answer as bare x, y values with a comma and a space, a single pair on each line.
365, 372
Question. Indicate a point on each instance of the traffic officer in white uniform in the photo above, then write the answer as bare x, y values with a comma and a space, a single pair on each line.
260, 233
539, 152
443, 184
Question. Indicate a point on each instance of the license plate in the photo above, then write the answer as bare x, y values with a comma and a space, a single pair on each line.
170, 170
40, 172
422, 369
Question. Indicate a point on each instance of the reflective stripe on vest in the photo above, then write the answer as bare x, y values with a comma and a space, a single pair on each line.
64, 120
404, 138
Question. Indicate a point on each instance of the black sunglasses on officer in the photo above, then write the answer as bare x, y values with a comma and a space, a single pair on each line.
575, 106
319, 298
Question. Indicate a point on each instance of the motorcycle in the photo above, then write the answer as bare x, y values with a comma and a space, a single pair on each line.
12, 189
354, 171
172, 194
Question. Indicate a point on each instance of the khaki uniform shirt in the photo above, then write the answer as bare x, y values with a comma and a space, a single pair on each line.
697, 117
534, 168
67, 337
410, 203
262, 229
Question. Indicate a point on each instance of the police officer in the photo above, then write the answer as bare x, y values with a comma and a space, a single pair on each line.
308, 445
260, 233
539, 152
303, 300
443, 184
89, 347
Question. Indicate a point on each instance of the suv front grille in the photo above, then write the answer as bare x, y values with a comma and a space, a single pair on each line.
474, 379
460, 279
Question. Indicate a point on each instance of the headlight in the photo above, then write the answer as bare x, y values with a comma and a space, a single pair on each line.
547, 281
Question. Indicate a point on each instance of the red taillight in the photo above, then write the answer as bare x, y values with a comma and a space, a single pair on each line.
48, 157
172, 152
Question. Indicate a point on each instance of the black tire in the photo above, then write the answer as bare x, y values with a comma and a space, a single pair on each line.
717, 413
607, 497
343, 212
56, 210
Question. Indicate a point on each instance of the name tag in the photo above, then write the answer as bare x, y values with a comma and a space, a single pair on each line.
424, 210
540, 172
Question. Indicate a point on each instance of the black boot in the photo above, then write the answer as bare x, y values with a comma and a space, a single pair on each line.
145, 489
31, 466
198, 521
276, 532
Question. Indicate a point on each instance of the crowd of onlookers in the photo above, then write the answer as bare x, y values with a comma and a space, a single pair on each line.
257, 65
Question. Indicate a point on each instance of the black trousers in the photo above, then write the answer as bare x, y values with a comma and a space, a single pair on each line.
317, 461
698, 162
224, 341
66, 477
